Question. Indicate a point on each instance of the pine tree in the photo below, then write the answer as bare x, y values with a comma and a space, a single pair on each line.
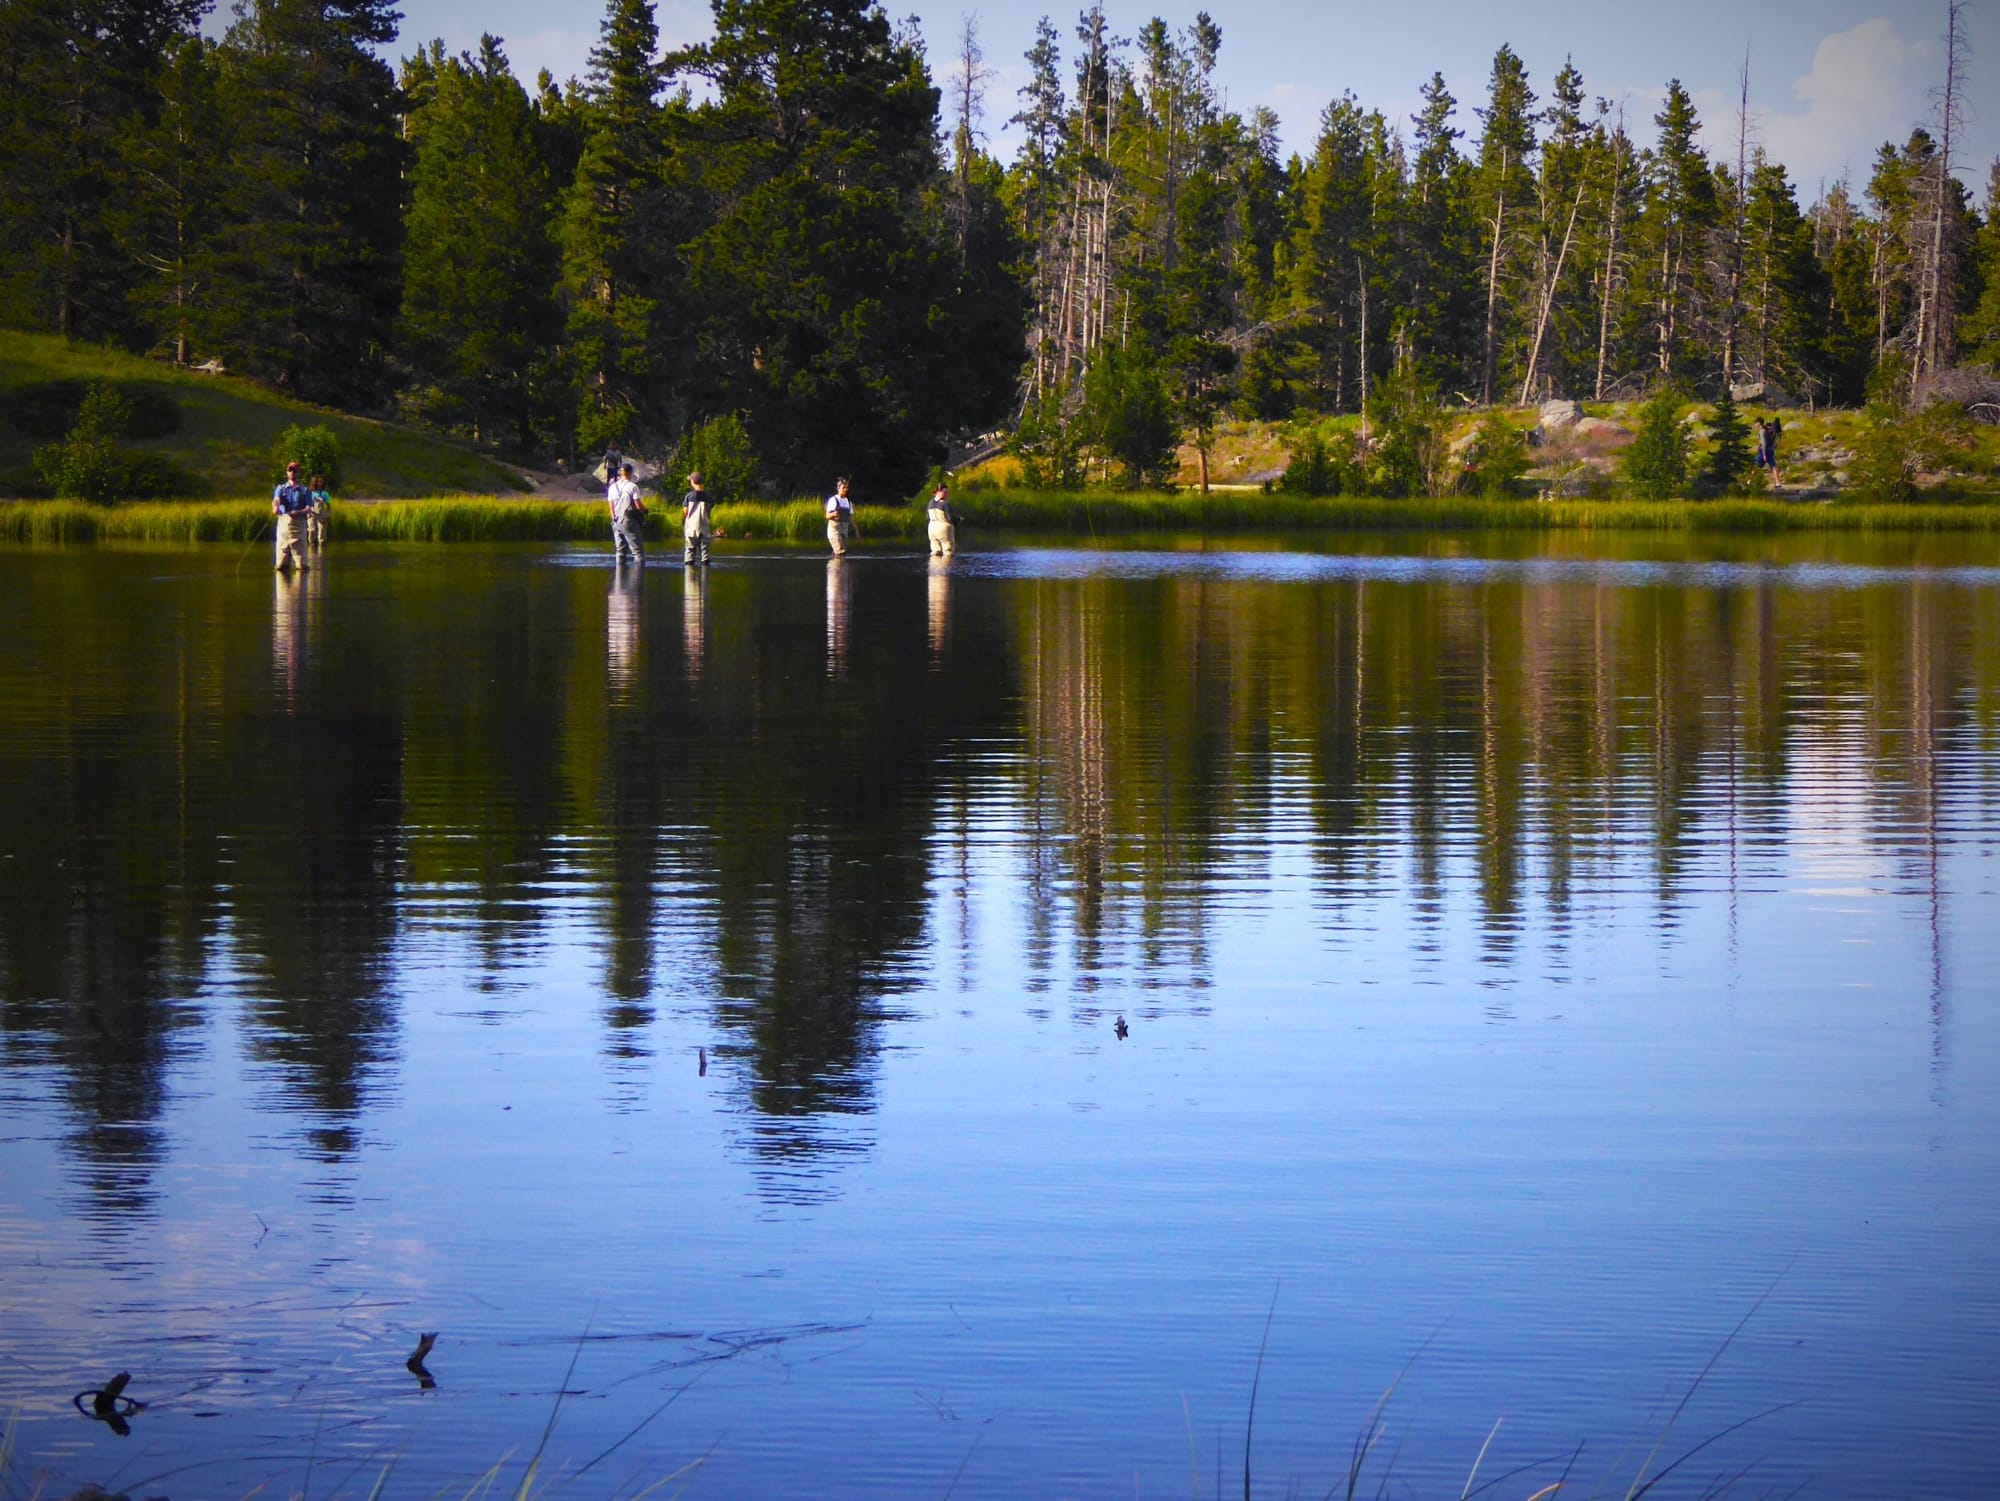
311, 266
478, 265
1436, 324
1504, 187
1980, 333
1656, 465
76, 81
828, 290
1681, 210
1729, 447
616, 235
177, 173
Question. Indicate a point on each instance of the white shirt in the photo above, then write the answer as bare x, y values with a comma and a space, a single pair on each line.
623, 495
838, 507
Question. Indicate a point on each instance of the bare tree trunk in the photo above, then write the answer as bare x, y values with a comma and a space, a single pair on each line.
1732, 315
1549, 297
1933, 302
1610, 258
1493, 289
1361, 272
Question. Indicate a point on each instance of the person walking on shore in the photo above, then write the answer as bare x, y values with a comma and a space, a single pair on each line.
694, 524
628, 518
839, 518
290, 503
943, 524
1768, 429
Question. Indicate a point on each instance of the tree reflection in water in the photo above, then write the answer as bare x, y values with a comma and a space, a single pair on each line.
211, 797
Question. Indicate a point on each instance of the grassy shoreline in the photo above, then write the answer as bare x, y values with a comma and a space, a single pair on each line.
473, 518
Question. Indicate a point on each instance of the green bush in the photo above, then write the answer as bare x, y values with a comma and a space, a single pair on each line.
721, 449
1656, 465
317, 449
1320, 466
86, 465
1048, 445
1128, 414
1497, 459
1897, 446
49, 408
1412, 436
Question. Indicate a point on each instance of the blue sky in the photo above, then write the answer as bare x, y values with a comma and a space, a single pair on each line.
1829, 79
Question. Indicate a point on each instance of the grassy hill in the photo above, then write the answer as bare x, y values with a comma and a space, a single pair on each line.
227, 427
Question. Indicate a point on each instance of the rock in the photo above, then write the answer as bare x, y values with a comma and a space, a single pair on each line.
1762, 392
1557, 414
1603, 432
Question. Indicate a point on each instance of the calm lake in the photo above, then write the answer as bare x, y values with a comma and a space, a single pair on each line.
698, 1003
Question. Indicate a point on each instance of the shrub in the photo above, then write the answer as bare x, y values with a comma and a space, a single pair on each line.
1498, 458
721, 449
1412, 447
86, 464
1320, 466
316, 448
1898, 445
1656, 465
1129, 416
1048, 446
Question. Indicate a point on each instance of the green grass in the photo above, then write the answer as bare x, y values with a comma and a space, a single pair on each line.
474, 518
228, 426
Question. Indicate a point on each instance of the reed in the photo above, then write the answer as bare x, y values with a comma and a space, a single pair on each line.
1077, 514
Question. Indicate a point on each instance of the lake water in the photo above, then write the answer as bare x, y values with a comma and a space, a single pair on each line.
698, 1003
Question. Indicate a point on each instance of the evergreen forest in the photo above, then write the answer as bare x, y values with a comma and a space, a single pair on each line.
797, 227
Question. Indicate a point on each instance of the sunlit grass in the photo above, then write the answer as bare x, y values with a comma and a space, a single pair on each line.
228, 426
1080, 514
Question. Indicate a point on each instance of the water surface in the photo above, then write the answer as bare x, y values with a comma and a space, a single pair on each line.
697, 1002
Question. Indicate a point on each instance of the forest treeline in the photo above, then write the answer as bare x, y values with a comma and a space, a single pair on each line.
798, 224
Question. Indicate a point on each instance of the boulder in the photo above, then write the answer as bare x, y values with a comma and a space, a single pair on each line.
1762, 392
1601, 433
1558, 414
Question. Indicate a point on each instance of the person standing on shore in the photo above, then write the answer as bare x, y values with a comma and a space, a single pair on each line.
694, 524
290, 503
943, 524
839, 518
628, 518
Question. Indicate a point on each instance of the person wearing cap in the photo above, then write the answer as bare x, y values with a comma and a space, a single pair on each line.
628, 517
694, 524
943, 525
839, 518
290, 503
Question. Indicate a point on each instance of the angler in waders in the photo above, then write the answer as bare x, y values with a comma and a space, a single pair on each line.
290, 503
694, 524
839, 518
943, 525
322, 502
628, 518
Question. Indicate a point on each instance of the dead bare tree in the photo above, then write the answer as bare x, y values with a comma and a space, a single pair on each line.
1938, 275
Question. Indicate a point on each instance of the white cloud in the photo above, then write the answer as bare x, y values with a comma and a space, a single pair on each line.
1866, 85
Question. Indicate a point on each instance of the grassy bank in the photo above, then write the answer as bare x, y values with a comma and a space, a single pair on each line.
227, 426
1082, 515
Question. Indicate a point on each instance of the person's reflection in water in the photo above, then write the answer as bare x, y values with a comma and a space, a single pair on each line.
839, 600
288, 635
940, 602
622, 620
694, 619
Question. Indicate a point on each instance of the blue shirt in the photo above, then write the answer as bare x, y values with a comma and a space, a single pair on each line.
289, 499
